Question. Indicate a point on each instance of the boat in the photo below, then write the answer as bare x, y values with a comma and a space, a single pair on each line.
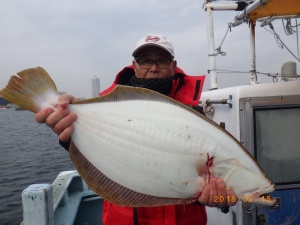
264, 117
68, 200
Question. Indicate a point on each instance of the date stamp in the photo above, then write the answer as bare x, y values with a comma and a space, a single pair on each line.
249, 199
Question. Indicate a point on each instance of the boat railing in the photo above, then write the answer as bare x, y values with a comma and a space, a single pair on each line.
46, 204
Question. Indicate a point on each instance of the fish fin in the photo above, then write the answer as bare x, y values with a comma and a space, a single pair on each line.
29, 89
111, 190
125, 93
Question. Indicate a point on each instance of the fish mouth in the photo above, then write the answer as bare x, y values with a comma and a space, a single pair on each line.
269, 189
265, 189
260, 196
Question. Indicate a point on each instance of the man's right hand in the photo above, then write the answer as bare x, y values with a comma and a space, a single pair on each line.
60, 120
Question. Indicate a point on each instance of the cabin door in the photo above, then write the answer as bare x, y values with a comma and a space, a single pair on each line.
270, 131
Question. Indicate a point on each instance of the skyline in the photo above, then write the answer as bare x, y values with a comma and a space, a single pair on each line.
95, 86
75, 40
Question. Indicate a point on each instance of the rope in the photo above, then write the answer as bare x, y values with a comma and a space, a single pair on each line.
275, 76
279, 42
288, 28
219, 50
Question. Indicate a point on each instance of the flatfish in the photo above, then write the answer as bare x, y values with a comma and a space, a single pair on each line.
136, 147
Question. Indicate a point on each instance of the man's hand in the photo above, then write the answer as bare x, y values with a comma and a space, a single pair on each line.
216, 194
60, 121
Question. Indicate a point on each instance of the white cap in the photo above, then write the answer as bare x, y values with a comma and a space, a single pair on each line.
154, 40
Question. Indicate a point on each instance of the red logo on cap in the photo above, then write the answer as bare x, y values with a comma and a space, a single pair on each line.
152, 38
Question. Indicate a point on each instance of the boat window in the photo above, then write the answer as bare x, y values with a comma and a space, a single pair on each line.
277, 143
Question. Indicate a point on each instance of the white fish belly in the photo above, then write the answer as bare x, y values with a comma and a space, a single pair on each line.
157, 149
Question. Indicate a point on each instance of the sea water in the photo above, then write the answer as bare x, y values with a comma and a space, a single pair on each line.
29, 153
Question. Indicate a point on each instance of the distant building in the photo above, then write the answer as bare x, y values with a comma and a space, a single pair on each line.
95, 86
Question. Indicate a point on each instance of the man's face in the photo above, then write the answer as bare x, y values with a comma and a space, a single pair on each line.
162, 68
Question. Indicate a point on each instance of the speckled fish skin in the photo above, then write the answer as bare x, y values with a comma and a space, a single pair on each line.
136, 147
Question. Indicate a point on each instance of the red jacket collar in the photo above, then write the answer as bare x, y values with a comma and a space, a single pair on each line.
186, 89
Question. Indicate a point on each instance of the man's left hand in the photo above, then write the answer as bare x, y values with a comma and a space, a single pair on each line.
216, 194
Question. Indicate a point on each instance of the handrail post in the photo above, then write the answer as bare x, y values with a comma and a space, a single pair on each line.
37, 202
211, 49
253, 78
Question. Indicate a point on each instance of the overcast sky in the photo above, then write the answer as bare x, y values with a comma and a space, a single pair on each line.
75, 40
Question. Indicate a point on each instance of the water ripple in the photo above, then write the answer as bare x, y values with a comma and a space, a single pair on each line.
29, 153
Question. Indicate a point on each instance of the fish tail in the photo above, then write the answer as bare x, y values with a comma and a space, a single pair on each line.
31, 89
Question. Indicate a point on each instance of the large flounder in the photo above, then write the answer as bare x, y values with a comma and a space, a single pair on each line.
136, 147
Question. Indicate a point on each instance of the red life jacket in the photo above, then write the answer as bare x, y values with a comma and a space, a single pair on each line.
190, 214
186, 89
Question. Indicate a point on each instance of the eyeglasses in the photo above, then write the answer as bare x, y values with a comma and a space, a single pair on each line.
162, 63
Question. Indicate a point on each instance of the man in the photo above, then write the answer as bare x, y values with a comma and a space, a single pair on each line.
154, 68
